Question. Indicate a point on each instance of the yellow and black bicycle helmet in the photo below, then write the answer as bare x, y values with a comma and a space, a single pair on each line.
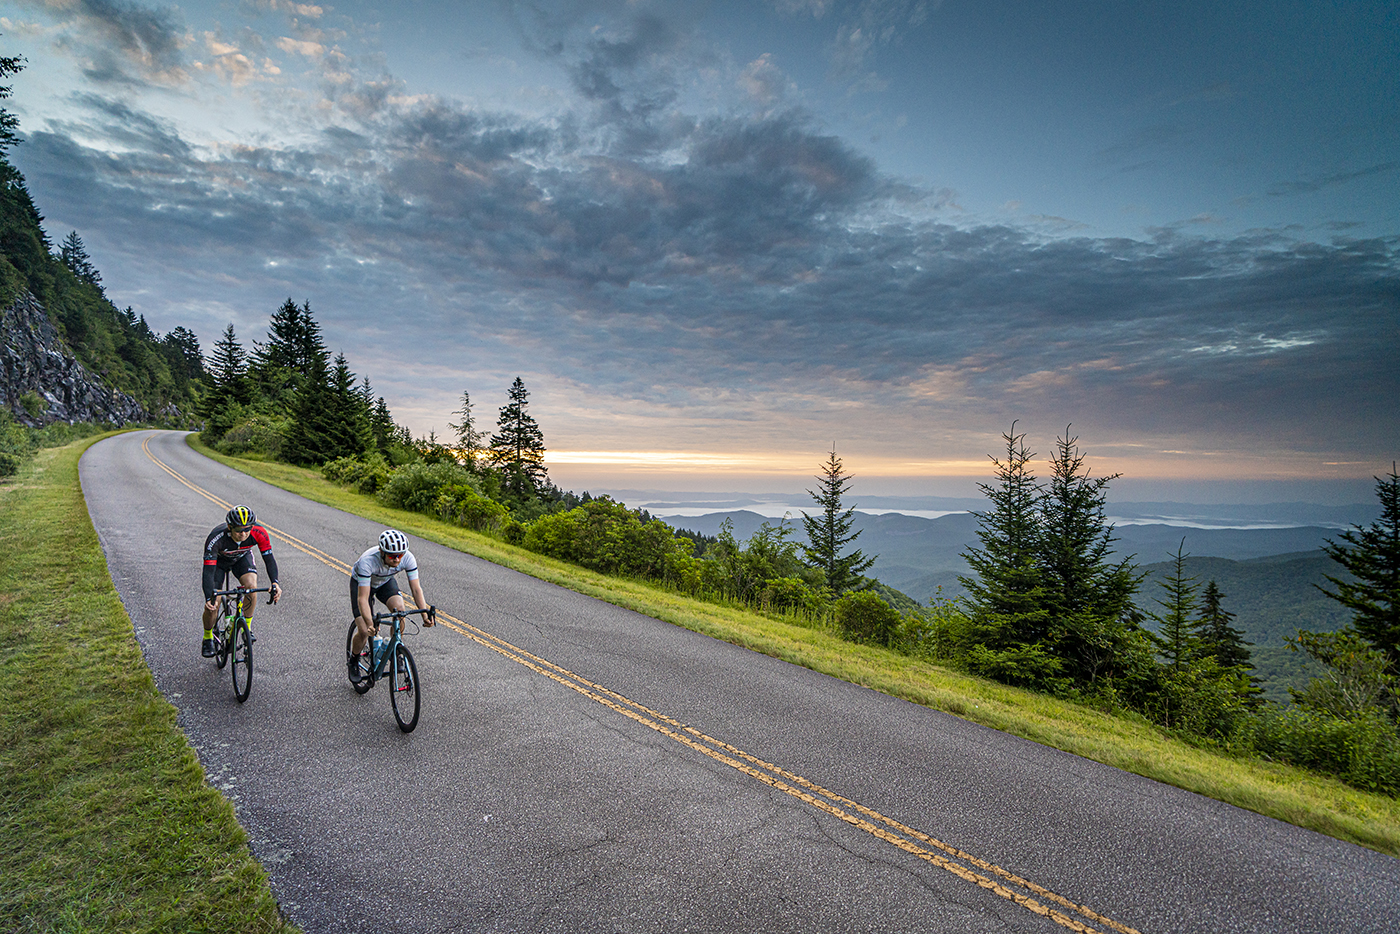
239, 518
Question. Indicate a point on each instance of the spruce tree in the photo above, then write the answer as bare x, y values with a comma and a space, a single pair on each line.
468, 438
829, 532
227, 373
1373, 560
1216, 637
1088, 595
1176, 639
1007, 597
517, 447
75, 257
9, 123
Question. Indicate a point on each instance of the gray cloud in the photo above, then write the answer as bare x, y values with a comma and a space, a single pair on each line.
127, 43
648, 258
1308, 186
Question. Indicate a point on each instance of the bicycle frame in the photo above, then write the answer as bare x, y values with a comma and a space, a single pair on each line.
380, 666
233, 637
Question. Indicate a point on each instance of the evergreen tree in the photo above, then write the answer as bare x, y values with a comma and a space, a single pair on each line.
1007, 598
75, 257
182, 347
229, 367
1216, 637
830, 532
468, 438
1374, 563
1176, 639
1089, 596
227, 372
382, 427
517, 448
9, 123
329, 420
293, 350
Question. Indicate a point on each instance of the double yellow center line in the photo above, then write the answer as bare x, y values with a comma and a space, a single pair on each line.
993, 878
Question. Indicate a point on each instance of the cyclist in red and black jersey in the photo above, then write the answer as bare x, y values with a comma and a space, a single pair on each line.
229, 547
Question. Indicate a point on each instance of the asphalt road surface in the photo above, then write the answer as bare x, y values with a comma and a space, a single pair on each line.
578, 767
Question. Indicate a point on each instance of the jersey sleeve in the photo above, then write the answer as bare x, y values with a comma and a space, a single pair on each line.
264, 543
411, 569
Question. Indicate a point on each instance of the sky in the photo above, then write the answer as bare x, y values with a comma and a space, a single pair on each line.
719, 240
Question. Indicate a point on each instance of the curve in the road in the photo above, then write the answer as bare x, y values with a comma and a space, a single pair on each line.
965, 866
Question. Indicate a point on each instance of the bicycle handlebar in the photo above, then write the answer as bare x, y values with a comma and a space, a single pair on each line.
241, 590
430, 612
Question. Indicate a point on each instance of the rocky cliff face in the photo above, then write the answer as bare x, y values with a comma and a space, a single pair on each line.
42, 382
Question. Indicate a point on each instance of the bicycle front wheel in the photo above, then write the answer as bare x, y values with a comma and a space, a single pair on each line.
223, 635
406, 694
223, 631
241, 648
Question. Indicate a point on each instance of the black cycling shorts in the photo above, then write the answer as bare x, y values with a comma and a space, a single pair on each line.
383, 592
238, 567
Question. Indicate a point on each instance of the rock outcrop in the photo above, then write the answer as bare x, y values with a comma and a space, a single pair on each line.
42, 382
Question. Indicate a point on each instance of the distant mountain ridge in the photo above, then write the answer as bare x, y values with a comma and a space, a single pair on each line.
918, 555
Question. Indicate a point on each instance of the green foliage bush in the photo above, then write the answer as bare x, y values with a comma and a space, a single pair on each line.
1020, 665
15, 445
415, 487
255, 433
465, 506
791, 594
1202, 699
864, 617
939, 632
364, 475
607, 537
1363, 751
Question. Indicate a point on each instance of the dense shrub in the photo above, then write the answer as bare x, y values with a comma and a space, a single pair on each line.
864, 617
1363, 751
1020, 665
15, 445
606, 536
1202, 699
465, 506
415, 487
791, 594
364, 475
257, 434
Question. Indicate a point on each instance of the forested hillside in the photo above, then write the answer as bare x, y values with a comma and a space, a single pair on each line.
160, 371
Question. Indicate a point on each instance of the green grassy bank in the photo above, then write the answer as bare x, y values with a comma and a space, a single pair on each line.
1289, 794
106, 821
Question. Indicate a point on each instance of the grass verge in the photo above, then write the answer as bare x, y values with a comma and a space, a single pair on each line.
1289, 794
106, 822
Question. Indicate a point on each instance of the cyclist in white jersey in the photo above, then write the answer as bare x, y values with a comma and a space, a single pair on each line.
374, 577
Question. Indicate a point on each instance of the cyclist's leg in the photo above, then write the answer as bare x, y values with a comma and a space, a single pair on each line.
362, 626
208, 617
250, 602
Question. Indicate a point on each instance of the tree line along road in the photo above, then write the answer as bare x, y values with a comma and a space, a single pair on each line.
582, 767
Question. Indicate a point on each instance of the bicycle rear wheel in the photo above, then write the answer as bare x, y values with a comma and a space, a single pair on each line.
405, 693
241, 648
365, 683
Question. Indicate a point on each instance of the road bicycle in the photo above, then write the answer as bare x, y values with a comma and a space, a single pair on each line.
390, 658
233, 638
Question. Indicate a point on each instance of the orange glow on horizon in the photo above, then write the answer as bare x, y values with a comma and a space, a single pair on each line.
1147, 465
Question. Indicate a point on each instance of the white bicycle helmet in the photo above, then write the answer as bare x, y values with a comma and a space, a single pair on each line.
393, 542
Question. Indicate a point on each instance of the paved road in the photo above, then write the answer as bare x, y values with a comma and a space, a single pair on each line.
583, 768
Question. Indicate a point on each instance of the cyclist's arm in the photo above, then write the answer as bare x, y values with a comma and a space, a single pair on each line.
362, 600
419, 600
265, 546
211, 580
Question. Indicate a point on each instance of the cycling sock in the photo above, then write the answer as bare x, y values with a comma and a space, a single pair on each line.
208, 633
